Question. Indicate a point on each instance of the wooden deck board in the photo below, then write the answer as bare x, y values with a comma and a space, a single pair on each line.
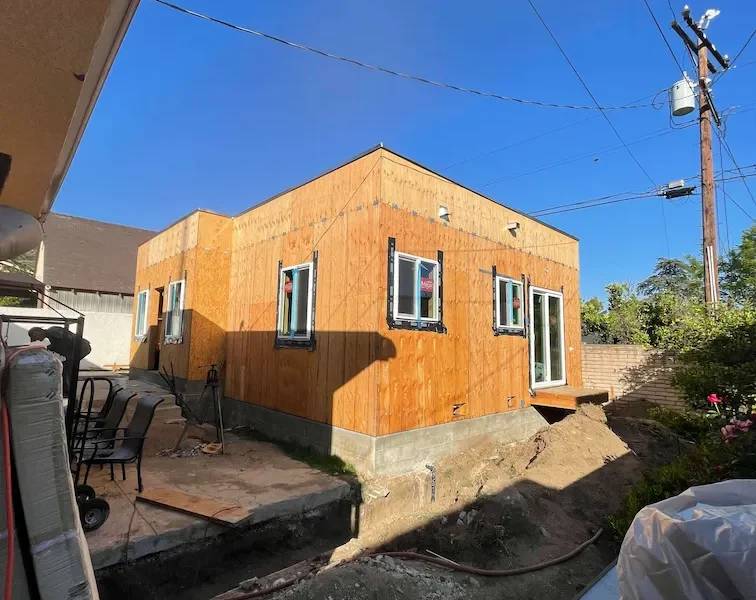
569, 397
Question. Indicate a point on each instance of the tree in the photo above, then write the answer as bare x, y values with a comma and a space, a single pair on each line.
21, 264
622, 322
739, 269
593, 320
25, 263
682, 278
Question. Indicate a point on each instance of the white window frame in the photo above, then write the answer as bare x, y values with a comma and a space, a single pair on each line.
404, 316
171, 286
546, 384
138, 333
502, 325
282, 282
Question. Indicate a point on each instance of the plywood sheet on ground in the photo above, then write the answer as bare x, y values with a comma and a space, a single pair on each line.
201, 506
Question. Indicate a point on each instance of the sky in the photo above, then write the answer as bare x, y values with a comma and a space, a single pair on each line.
194, 114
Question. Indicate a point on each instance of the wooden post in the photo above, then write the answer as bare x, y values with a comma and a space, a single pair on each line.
711, 269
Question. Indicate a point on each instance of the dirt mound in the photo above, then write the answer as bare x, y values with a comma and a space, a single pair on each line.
501, 506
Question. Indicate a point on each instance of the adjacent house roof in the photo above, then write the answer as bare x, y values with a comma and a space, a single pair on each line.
12, 283
82, 254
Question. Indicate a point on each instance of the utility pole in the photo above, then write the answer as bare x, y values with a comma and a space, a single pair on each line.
708, 211
706, 110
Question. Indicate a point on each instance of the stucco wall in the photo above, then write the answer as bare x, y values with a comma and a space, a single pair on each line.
631, 373
108, 333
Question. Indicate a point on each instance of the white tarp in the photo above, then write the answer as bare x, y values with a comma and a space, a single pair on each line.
700, 545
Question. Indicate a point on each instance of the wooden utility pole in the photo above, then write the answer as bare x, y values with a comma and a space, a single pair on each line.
706, 110
711, 268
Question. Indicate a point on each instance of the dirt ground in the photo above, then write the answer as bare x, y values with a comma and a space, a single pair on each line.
496, 507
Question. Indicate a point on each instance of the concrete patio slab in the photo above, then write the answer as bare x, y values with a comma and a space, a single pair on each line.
252, 474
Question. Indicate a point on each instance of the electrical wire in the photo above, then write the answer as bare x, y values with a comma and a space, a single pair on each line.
661, 33
574, 208
582, 202
748, 41
606, 150
724, 193
653, 98
606, 117
736, 204
726, 145
364, 65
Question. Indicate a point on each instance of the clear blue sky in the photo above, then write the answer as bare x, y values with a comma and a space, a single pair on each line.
197, 115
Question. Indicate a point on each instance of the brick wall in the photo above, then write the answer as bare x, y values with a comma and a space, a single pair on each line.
631, 373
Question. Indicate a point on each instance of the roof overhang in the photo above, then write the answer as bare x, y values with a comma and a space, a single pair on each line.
12, 284
46, 49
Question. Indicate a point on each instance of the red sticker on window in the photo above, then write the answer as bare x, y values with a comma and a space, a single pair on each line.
426, 284
516, 303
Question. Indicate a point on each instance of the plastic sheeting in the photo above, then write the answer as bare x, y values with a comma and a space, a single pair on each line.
700, 545
60, 554
20, 589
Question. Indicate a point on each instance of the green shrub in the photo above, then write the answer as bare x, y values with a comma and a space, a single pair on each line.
689, 425
716, 354
710, 461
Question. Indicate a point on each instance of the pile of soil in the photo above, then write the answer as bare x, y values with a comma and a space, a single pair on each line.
498, 507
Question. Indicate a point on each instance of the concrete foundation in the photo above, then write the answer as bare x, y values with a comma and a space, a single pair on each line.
392, 454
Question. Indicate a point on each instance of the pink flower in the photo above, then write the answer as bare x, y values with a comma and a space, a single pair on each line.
741, 425
728, 433
714, 399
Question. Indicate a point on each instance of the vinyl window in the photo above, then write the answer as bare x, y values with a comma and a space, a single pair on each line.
509, 304
416, 288
295, 302
174, 315
547, 356
143, 300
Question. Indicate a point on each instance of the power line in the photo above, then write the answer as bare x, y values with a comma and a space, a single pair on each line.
736, 204
574, 208
722, 186
724, 142
587, 89
389, 71
748, 41
590, 154
664, 37
583, 202
540, 135
609, 122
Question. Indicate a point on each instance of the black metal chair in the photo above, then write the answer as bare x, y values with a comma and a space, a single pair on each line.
112, 420
96, 421
132, 442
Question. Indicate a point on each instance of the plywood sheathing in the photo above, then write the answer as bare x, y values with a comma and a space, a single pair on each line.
361, 375
203, 260
335, 215
468, 365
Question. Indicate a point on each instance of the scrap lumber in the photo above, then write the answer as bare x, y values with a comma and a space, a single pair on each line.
199, 506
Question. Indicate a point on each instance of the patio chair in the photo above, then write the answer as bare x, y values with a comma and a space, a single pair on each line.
96, 420
132, 442
112, 420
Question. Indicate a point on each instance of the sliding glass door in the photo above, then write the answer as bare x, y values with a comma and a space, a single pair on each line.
547, 367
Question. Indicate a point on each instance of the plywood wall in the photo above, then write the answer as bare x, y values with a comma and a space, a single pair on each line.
336, 215
196, 249
361, 375
468, 365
